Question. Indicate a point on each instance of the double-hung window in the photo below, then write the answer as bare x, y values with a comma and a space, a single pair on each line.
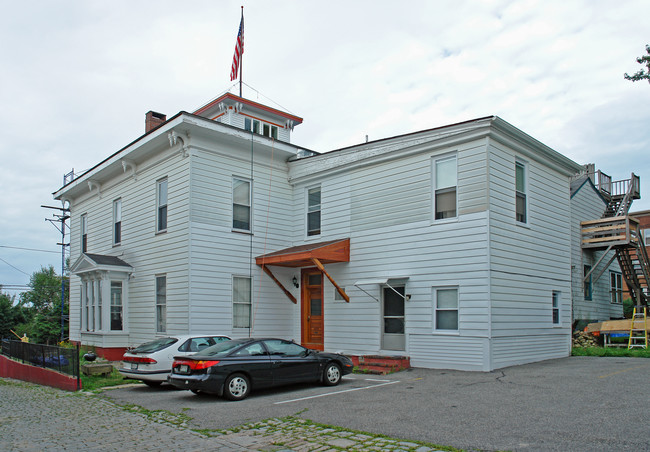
252, 125
117, 222
446, 309
520, 188
161, 304
84, 233
116, 306
241, 204
616, 287
161, 205
313, 211
241, 302
445, 180
587, 288
556, 307
270, 131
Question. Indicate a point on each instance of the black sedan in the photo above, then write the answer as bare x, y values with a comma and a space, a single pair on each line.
232, 368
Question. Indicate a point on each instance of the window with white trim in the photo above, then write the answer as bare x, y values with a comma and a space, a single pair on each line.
161, 205
84, 233
161, 304
117, 323
556, 307
98, 302
241, 302
446, 309
521, 200
616, 287
117, 222
252, 125
445, 181
313, 210
241, 204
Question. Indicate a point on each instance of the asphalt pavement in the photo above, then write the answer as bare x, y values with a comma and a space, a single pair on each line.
571, 404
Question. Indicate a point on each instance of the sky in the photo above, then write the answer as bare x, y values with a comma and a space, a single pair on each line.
77, 77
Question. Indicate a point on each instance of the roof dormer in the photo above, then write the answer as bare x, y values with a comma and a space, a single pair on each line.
248, 115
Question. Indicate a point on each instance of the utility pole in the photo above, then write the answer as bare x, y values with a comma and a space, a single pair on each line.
61, 217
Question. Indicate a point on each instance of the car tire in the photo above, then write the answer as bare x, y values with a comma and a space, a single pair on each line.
237, 387
332, 374
152, 384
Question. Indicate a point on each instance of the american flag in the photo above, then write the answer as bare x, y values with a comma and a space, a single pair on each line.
239, 51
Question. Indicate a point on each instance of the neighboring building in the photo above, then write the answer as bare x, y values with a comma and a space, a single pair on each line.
449, 245
597, 281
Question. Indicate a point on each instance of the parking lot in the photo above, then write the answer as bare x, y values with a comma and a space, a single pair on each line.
576, 403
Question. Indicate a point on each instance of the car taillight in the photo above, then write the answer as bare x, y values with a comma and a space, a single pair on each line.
194, 365
138, 359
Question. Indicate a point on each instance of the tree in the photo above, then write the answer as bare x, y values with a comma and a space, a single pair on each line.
11, 316
641, 74
43, 300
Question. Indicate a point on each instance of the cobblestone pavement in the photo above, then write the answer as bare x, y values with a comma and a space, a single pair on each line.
37, 418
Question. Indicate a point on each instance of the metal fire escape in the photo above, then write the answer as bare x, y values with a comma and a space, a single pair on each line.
617, 231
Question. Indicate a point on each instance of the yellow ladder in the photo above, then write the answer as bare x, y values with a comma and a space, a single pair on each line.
638, 336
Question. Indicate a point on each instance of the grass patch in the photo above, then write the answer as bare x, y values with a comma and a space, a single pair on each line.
610, 352
97, 382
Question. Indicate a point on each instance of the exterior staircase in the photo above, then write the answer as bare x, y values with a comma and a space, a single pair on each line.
617, 231
380, 365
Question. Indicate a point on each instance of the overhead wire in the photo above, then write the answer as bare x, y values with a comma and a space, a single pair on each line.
266, 231
29, 249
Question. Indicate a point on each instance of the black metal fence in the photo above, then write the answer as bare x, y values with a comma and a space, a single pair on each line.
61, 359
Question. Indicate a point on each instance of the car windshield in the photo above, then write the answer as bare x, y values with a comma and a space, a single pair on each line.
222, 348
154, 346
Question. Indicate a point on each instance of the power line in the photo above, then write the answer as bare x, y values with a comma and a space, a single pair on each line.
28, 249
15, 268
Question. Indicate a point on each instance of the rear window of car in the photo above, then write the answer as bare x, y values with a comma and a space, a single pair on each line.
154, 346
198, 344
222, 348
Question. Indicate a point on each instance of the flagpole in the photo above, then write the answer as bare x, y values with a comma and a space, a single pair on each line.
241, 62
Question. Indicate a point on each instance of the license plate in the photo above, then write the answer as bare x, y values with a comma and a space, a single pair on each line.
184, 368
134, 366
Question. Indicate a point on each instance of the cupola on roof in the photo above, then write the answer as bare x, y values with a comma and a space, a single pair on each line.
249, 115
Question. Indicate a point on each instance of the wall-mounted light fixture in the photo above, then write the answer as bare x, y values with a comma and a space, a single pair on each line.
295, 282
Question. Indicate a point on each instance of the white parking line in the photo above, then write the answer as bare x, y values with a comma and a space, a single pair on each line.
338, 392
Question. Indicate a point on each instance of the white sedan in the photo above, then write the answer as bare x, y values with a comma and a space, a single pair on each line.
151, 362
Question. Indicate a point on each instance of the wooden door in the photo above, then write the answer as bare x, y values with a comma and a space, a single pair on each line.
312, 309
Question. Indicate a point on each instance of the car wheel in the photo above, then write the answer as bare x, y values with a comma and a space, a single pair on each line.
152, 384
332, 374
237, 387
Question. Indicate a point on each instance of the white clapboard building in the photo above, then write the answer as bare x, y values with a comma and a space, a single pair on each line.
453, 246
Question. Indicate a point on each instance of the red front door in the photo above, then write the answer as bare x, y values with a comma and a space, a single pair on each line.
312, 309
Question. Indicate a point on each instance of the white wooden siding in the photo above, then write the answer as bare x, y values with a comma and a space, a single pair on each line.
528, 261
218, 253
386, 210
515, 350
149, 253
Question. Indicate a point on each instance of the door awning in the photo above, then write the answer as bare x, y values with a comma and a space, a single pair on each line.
388, 281
317, 254
302, 255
